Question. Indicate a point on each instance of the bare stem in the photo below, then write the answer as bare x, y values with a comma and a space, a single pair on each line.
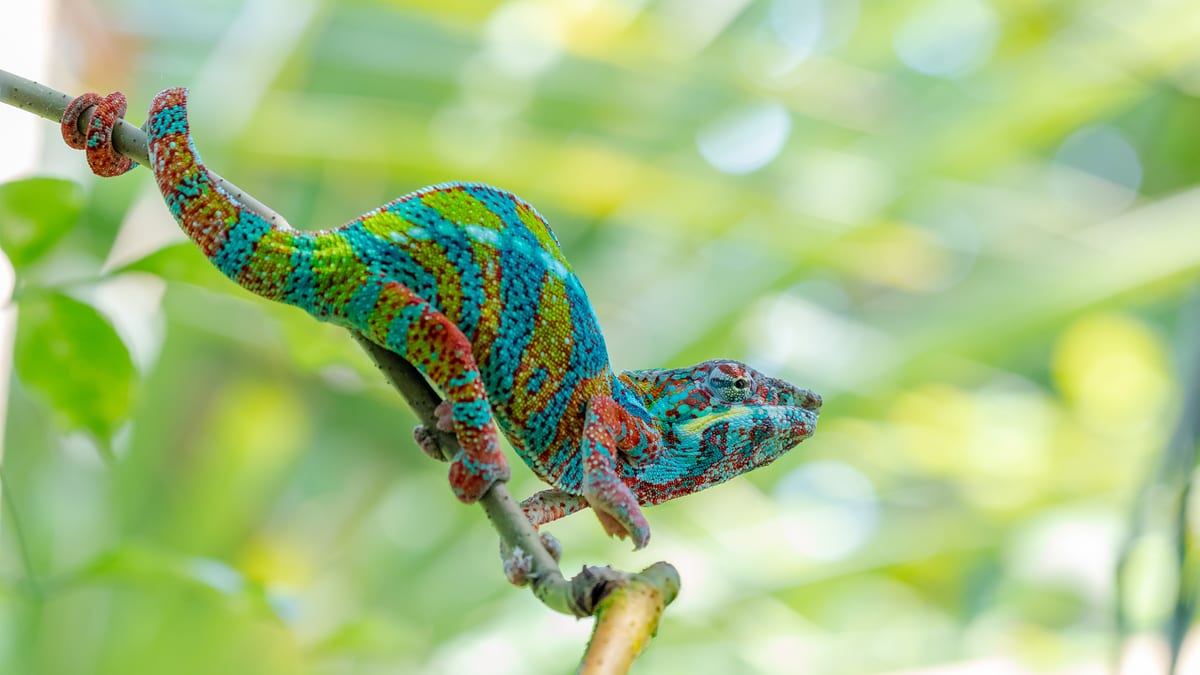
1163, 506
31, 576
127, 139
627, 618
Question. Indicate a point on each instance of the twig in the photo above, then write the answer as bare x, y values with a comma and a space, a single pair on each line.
127, 139
626, 620
1163, 500
10, 503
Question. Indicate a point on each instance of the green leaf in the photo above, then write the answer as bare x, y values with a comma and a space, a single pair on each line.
70, 355
34, 214
181, 262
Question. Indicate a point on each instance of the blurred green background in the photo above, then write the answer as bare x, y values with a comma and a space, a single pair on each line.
970, 224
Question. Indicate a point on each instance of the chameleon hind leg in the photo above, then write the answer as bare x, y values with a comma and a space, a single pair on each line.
541, 508
410, 326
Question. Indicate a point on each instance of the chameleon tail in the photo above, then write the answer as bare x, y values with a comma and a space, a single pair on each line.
248, 249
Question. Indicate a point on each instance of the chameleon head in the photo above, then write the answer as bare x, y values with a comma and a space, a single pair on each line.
719, 419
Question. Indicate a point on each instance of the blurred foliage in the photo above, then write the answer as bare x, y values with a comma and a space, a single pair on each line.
36, 213
969, 224
91, 384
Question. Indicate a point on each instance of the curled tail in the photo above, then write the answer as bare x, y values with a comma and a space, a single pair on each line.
255, 253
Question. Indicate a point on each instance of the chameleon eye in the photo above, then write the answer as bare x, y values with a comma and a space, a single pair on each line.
732, 389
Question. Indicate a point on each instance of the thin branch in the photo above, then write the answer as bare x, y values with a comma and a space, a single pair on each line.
127, 139
627, 618
582, 594
1161, 504
10, 503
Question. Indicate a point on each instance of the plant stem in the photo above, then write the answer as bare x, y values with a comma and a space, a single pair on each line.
127, 139
19, 532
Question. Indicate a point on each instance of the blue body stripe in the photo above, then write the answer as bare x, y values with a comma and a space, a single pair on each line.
170, 120
191, 188
300, 290
361, 306
460, 254
472, 413
397, 336
239, 243
388, 260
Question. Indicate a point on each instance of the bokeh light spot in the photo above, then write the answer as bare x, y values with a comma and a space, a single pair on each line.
805, 27
1096, 169
216, 575
834, 509
948, 38
523, 38
747, 139
1151, 577
798, 24
1113, 370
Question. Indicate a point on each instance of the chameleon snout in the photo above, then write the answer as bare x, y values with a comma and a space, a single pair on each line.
790, 394
810, 400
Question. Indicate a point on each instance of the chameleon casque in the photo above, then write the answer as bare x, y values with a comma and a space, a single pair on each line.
467, 282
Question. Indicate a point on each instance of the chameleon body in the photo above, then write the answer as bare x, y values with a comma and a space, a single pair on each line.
468, 283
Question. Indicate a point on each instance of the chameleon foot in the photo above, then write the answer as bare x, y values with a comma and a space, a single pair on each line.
617, 508
518, 565
471, 474
445, 415
426, 442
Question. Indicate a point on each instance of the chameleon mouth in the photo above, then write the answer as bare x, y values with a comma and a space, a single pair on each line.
782, 420
698, 425
800, 422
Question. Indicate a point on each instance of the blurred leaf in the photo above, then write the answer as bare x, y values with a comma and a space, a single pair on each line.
72, 356
371, 635
146, 564
34, 214
107, 205
140, 564
182, 262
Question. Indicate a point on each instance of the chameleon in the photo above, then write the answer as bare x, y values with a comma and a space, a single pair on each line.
468, 283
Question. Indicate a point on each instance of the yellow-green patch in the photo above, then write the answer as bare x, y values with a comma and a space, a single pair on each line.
460, 207
384, 223
541, 231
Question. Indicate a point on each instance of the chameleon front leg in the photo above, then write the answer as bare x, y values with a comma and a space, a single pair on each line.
609, 428
410, 326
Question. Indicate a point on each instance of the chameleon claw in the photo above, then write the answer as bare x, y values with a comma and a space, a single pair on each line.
552, 545
445, 415
518, 564
426, 442
635, 527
